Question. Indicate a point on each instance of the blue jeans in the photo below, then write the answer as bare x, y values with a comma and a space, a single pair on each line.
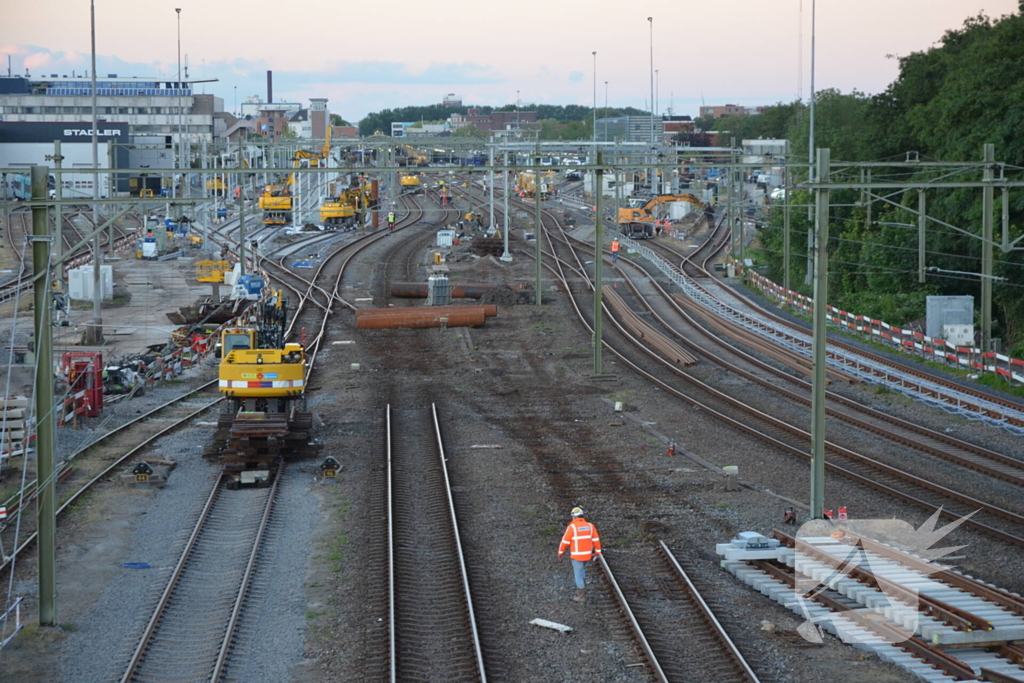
579, 570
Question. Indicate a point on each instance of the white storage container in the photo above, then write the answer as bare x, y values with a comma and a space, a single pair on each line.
679, 210
445, 238
80, 282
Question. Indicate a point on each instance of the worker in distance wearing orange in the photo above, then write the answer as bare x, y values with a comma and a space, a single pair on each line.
615, 250
583, 543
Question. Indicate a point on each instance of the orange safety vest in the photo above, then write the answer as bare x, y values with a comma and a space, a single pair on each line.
615, 245
582, 537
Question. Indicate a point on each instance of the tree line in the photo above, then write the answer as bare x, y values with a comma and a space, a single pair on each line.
945, 104
558, 122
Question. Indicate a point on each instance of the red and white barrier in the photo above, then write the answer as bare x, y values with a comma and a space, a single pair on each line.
967, 358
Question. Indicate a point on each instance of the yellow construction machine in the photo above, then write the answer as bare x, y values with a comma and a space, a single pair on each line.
217, 186
276, 202
314, 158
263, 378
211, 271
639, 222
410, 183
343, 206
527, 181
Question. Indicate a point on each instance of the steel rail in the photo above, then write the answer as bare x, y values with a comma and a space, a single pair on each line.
477, 649
790, 330
742, 407
243, 589
713, 245
392, 617
1014, 475
638, 632
147, 634
407, 222
894, 634
119, 461
457, 591
717, 629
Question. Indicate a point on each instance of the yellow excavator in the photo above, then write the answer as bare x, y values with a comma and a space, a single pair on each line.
342, 209
315, 159
638, 223
527, 182
262, 376
276, 202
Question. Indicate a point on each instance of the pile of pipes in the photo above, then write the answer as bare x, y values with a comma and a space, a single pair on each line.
419, 290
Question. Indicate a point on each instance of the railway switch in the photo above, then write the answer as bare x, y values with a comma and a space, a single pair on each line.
143, 471
330, 468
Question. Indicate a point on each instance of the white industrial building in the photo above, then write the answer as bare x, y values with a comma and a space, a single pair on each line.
26, 144
156, 111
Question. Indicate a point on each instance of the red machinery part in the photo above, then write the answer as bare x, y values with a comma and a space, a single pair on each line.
84, 372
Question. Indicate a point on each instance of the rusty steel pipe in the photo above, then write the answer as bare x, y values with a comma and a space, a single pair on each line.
418, 290
421, 317
489, 310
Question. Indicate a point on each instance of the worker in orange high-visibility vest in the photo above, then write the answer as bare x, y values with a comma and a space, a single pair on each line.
583, 543
615, 251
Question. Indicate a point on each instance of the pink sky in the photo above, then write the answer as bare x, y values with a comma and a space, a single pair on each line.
368, 56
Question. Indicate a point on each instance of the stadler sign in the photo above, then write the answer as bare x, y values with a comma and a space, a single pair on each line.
67, 131
81, 131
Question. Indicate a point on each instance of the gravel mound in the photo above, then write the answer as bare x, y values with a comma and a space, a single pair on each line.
503, 295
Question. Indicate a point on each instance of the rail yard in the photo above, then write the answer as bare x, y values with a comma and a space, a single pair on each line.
364, 473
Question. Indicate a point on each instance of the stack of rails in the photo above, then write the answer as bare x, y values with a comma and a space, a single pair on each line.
791, 359
643, 330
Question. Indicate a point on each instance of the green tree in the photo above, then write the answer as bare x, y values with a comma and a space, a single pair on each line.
336, 120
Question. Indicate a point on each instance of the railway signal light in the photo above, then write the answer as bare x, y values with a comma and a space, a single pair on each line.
142, 473
330, 468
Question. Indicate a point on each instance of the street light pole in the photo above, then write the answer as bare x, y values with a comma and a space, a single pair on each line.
650, 22
94, 331
810, 154
181, 148
594, 132
605, 111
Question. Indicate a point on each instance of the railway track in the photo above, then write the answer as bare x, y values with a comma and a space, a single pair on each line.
937, 390
872, 421
992, 518
191, 631
672, 623
432, 632
110, 454
16, 236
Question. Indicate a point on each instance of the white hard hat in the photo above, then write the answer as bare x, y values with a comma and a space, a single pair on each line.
577, 511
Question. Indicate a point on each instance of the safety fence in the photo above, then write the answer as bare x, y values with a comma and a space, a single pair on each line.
75, 406
930, 348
